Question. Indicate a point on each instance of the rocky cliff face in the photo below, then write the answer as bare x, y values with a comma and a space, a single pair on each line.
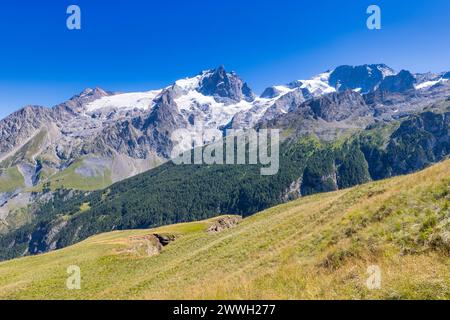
364, 78
325, 116
401, 82
420, 140
20, 126
337, 106
226, 86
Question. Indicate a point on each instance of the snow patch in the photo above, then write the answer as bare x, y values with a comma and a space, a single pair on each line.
133, 100
386, 71
189, 84
283, 90
207, 112
318, 85
428, 84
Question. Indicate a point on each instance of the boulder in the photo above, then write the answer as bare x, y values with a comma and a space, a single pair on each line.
224, 224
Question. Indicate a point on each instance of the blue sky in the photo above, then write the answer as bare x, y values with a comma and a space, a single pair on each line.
146, 44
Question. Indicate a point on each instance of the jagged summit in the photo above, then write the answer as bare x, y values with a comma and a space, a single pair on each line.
218, 83
93, 92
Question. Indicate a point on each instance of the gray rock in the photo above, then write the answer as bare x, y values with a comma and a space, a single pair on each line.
221, 84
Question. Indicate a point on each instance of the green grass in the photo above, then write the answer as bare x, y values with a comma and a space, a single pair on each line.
11, 179
313, 248
85, 207
70, 179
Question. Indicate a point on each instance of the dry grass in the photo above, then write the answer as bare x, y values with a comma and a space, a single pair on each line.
317, 247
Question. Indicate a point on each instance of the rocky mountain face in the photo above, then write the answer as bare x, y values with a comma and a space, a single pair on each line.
364, 78
420, 140
133, 128
17, 129
225, 86
401, 82
99, 137
324, 116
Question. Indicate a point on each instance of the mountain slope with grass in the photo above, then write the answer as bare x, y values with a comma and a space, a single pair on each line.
315, 247
182, 193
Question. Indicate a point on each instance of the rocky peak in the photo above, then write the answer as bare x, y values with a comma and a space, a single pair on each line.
18, 127
88, 95
77, 103
364, 77
94, 93
225, 85
270, 93
401, 82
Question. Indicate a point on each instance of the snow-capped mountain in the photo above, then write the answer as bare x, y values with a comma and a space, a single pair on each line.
117, 135
425, 81
317, 86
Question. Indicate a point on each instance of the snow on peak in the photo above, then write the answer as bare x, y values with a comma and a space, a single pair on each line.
428, 84
128, 101
204, 112
192, 83
386, 71
90, 92
282, 90
318, 85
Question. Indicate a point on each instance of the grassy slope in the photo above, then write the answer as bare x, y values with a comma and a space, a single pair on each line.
11, 179
315, 247
70, 179
27, 151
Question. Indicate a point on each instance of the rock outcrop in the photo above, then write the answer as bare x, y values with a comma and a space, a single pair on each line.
223, 224
147, 245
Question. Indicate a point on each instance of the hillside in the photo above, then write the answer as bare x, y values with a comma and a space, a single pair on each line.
318, 246
182, 193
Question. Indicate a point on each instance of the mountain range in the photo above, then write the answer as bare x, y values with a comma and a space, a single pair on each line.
53, 159
118, 135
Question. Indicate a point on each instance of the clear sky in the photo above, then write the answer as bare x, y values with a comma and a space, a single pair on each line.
146, 44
